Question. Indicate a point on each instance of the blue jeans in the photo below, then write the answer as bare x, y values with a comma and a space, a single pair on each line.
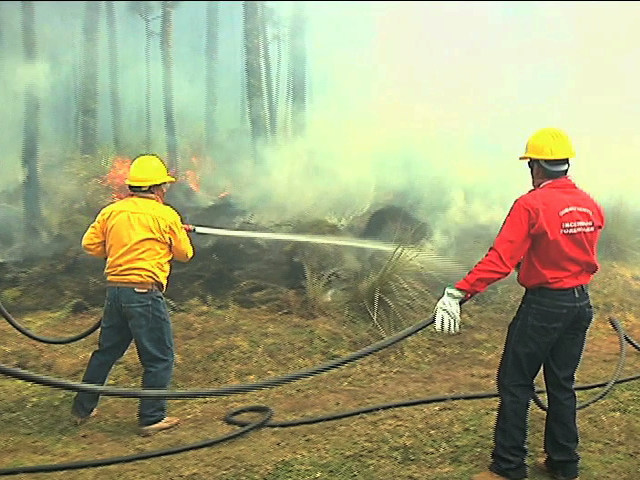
549, 330
143, 318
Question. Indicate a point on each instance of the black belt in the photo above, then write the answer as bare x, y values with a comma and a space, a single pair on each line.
141, 286
577, 290
578, 287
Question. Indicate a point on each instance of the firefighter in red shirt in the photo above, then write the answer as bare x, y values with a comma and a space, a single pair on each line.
550, 237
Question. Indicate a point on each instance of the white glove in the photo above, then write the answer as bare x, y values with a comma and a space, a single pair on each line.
447, 311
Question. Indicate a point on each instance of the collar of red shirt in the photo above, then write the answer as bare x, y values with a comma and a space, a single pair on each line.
557, 182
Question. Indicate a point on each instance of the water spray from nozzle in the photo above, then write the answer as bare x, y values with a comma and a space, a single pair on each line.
435, 260
320, 239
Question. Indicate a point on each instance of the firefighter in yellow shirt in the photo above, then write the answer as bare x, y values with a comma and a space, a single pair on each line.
138, 236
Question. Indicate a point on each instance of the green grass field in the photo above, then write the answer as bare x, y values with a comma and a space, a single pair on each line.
216, 347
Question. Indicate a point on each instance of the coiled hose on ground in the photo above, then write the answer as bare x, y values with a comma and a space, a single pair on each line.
266, 412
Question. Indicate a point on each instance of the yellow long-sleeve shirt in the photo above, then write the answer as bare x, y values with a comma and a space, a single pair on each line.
138, 237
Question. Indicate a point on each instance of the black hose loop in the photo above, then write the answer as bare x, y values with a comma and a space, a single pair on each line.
617, 374
52, 341
48, 381
231, 415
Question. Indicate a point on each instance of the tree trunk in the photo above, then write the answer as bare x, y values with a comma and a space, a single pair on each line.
3, 79
147, 86
144, 11
31, 185
76, 69
265, 63
297, 88
211, 61
244, 102
113, 78
277, 89
1, 32
166, 33
256, 102
89, 88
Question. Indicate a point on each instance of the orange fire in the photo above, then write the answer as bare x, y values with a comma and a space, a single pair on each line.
116, 177
192, 177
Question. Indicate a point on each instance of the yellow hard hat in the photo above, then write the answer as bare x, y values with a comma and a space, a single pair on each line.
147, 170
548, 144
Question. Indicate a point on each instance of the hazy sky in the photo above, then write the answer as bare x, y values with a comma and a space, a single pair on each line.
437, 98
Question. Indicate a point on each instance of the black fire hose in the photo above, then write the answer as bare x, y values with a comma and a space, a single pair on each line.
622, 336
266, 411
45, 380
52, 341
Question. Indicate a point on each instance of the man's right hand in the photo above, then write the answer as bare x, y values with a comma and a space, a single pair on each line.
189, 228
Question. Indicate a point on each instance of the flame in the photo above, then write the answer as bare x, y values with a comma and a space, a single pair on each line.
193, 180
191, 176
116, 177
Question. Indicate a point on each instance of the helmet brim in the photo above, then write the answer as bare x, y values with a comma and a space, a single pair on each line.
559, 167
167, 179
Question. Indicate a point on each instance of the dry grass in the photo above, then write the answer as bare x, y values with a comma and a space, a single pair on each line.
220, 347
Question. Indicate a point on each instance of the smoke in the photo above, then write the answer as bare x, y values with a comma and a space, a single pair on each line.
425, 104
437, 99
388, 123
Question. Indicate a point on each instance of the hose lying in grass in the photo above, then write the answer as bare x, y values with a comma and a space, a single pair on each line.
268, 383
48, 381
52, 341
616, 374
267, 412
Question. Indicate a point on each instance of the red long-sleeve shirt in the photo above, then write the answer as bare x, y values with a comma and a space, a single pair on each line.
552, 231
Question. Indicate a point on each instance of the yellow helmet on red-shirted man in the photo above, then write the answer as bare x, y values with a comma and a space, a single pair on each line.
548, 144
147, 170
